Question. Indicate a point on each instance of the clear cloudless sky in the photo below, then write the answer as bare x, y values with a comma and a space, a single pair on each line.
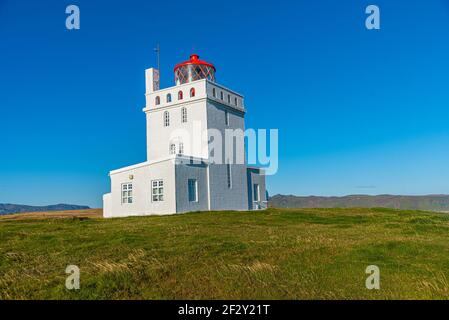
358, 111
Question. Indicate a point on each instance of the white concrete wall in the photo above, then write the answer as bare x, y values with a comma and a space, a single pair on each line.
152, 81
184, 172
230, 98
222, 197
107, 208
142, 176
159, 137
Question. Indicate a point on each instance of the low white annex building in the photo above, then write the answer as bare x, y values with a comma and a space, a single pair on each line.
182, 173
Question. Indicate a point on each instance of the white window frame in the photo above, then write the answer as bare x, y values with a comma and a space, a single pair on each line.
194, 184
156, 194
166, 119
181, 148
128, 189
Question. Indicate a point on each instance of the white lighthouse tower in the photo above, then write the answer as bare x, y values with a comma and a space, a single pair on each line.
188, 167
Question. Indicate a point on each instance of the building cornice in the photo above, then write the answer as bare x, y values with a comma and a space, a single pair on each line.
176, 159
186, 103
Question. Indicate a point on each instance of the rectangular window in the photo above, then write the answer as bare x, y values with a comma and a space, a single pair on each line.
227, 118
157, 190
229, 175
181, 148
256, 193
172, 148
166, 119
184, 115
127, 193
193, 190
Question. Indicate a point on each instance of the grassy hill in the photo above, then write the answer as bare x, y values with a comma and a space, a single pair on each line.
276, 254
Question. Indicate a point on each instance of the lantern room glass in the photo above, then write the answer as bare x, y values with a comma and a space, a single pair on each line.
193, 70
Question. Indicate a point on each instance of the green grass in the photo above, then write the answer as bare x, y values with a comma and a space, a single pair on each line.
275, 254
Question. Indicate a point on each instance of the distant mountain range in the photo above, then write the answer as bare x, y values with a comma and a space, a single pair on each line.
429, 202
17, 208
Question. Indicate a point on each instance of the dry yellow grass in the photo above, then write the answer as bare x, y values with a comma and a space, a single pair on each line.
88, 213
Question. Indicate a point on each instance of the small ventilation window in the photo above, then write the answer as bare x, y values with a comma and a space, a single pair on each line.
184, 115
166, 119
229, 175
181, 148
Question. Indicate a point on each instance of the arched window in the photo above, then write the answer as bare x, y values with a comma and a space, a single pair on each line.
214, 93
221, 95
158, 101
184, 115
192, 92
166, 119
168, 98
180, 95
229, 98
235, 101
172, 148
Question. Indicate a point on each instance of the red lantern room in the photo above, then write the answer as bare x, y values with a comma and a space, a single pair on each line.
194, 69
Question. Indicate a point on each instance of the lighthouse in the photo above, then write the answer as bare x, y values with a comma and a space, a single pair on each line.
188, 167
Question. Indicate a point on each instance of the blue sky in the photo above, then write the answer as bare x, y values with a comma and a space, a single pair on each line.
358, 111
